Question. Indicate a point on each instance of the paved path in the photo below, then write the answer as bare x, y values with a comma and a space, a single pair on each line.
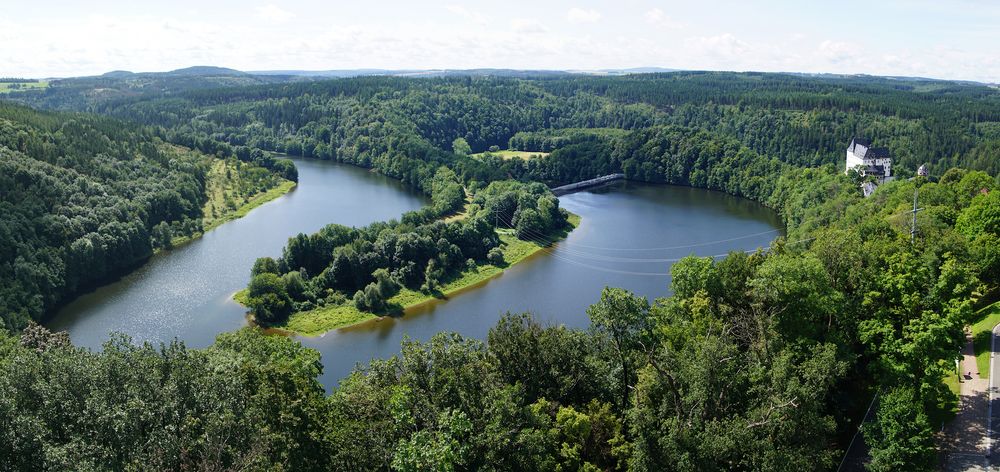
994, 401
965, 443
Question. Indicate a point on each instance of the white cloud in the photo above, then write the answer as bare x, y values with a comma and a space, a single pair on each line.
579, 15
68, 45
655, 15
467, 14
725, 45
528, 26
658, 17
274, 13
838, 51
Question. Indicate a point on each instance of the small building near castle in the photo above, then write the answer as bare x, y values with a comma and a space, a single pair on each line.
922, 170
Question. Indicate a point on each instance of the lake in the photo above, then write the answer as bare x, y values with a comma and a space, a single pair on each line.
185, 292
629, 235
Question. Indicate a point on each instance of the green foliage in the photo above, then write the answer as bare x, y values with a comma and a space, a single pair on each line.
755, 362
374, 296
264, 265
495, 257
624, 318
799, 289
902, 438
690, 275
529, 224
249, 401
83, 199
982, 216
441, 450
461, 147
419, 252
286, 169
268, 299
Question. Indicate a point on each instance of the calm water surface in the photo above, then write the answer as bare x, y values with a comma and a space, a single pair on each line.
663, 222
185, 293
629, 235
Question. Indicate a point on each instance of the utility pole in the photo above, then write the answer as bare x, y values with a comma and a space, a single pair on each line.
913, 225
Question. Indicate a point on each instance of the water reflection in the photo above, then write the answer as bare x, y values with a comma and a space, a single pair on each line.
558, 285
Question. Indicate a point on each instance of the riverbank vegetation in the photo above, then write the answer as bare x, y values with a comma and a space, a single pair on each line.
232, 188
512, 250
508, 154
83, 199
757, 362
328, 279
763, 361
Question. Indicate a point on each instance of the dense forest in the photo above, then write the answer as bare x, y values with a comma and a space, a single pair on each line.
799, 120
752, 364
85, 198
762, 361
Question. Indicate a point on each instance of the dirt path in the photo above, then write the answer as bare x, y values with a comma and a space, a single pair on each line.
965, 438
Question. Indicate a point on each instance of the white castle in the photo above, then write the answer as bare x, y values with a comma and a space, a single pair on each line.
869, 161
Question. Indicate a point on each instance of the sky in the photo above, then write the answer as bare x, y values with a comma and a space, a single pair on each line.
949, 39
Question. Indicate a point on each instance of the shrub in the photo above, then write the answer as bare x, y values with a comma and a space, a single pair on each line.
495, 257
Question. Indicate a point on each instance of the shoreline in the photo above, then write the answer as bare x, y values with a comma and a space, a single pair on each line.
319, 321
254, 202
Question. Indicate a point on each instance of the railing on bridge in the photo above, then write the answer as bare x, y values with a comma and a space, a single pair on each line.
562, 190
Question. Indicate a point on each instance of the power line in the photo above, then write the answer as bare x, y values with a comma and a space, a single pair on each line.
855, 437
552, 253
913, 226
544, 242
566, 247
707, 243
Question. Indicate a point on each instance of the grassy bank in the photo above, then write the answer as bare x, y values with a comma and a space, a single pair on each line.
226, 202
8, 87
987, 317
320, 320
508, 154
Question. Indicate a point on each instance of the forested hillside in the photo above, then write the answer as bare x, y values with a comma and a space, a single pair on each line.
85, 93
85, 198
762, 361
758, 362
796, 119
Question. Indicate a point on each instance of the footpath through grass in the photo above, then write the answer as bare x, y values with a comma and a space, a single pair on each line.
988, 317
327, 318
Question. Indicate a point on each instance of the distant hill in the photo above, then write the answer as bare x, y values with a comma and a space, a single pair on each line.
205, 71
193, 71
636, 70
336, 73
224, 76
117, 74
344, 73
518, 73
91, 93
83, 93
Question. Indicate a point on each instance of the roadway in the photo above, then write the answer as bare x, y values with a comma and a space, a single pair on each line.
968, 437
993, 410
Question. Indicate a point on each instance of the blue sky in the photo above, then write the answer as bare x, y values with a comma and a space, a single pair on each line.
957, 39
